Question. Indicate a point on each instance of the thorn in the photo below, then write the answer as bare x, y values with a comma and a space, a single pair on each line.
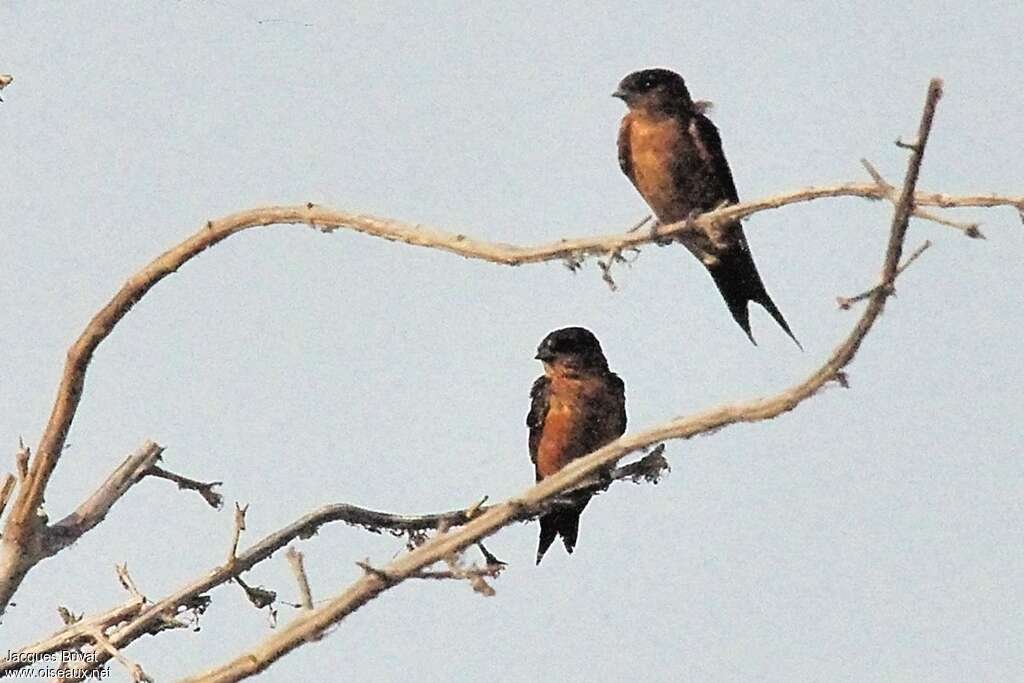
641, 223
474, 509
373, 571
876, 176
21, 460
126, 580
843, 380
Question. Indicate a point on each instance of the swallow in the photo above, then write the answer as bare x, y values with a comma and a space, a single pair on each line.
577, 406
672, 154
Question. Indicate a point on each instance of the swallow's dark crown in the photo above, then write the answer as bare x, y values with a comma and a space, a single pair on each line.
649, 81
570, 341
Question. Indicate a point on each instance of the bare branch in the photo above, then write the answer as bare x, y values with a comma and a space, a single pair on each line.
641, 223
294, 558
5, 491
23, 529
649, 468
204, 489
126, 580
969, 229
259, 596
74, 635
239, 527
490, 571
846, 302
312, 624
21, 460
95, 508
136, 672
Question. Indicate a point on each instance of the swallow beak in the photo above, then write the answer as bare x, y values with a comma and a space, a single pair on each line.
544, 354
620, 94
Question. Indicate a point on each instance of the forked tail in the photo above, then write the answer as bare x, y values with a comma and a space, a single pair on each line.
564, 522
737, 280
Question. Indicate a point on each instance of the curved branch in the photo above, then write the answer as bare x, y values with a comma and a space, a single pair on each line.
69, 392
313, 624
20, 547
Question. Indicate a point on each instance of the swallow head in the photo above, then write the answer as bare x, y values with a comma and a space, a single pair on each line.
572, 346
654, 89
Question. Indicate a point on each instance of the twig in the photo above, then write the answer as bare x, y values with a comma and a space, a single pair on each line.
204, 489
490, 571
314, 623
137, 674
845, 302
95, 508
67, 616
641, 223
5, 491
5, 80
969, 229
474, 509
126, 580
294, 558
370, 570
259, 596
648, 468
21, 460
239, 527
476, 576
75, 635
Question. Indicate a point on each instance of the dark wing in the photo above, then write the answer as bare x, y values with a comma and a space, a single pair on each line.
625, 154
709, 146
538, 411
605, 416
618, 390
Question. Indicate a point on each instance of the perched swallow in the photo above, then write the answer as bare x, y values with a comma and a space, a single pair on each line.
672, 154
578, 405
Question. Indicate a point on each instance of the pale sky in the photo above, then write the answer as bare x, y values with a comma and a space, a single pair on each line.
873, 534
